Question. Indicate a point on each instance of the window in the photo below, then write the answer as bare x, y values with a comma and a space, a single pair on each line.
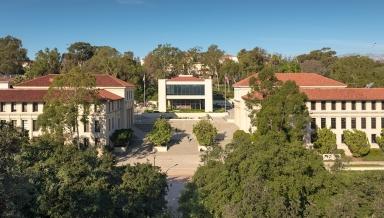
86, 142
343, 123
382, 122
313, 123
363, 105
97, 142
373, 138
323, 123
24, 107
35, 127
86, 126
24, 124
14, 123
342, 138
343, 105
185, 90
373, 122
333, 104
109, 124
97, 126
333, 123
13, 107
323, 105
353, 123
2, 106
113, 123
2, 122
373, 105
313, 105
382, 105
363, 123
35, 107
353, 105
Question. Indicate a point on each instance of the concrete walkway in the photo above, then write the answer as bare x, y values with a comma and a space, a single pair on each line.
359, 165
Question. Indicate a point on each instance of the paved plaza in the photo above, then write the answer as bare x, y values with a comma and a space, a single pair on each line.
182, 158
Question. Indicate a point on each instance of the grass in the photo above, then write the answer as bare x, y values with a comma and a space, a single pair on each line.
374, 154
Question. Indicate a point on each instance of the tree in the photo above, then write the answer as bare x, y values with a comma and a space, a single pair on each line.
211, 58
161, 133
357, 142
67, 103
165, 61
283, 113
12, 55
77, 183
358, 71
325, 141
284, 64
205, 133
77, 54
15, 189
46, 62
231, 70
321, 60
252, 61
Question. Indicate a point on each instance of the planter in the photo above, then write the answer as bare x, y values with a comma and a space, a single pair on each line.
161, 148
120, 149
204, 148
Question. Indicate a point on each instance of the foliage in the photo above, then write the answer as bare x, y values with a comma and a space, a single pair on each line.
161, 133
358, 71
357, 142
318, 61
205, 132
121, 137
283, 114
67, 102
252, 61
380, 140
46, 62
14, 186
12, 55
77, 183
325, 141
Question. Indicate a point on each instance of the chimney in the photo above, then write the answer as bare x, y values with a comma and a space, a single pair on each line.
4, 83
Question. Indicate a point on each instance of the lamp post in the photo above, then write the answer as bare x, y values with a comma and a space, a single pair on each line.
144, 89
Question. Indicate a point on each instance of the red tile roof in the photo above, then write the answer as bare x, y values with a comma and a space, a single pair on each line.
102, 80
185, 78
23, 95
345, 94
301, 79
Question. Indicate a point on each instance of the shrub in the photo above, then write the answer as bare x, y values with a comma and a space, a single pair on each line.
357, 142
161, 133
325, 142
380, 140
205, 133
121, 137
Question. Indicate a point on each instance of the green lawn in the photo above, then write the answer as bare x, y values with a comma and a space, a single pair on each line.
374, 155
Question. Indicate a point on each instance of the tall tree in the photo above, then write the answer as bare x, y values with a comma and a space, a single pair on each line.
12, 55
311, 61
77, 54
212, 58
46, 62
252, 61
164, 61
67, 102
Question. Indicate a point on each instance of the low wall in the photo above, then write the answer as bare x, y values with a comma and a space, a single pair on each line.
183, 115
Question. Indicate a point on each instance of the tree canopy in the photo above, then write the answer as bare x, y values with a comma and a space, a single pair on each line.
12, 55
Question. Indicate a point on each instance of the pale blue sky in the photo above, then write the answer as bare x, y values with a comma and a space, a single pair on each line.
286, 27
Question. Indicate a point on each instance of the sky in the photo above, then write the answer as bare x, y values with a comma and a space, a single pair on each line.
279, 26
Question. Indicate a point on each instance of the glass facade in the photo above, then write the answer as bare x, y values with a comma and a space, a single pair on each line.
185, 89
197, 104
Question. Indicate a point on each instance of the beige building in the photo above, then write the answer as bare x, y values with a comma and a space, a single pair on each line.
24, 102
185, 92
330, 104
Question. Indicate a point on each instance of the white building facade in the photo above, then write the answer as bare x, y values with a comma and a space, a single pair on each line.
22, 104
330, 105
185, 92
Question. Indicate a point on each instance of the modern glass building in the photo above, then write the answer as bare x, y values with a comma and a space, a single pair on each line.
185, 93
